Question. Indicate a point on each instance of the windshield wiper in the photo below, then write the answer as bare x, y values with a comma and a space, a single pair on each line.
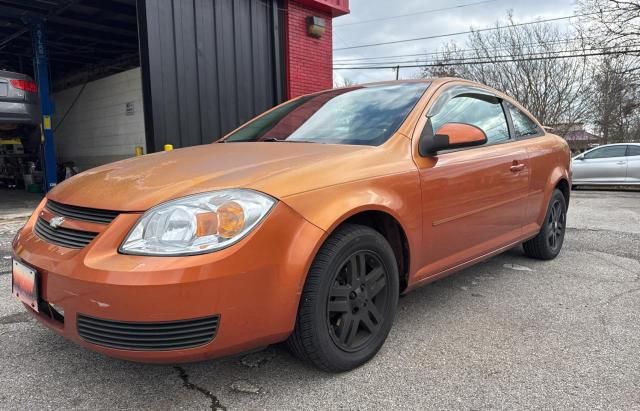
275, 140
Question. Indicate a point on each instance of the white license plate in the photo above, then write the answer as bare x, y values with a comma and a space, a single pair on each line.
24, 284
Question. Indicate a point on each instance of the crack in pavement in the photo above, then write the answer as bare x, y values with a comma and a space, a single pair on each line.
215, 403
636, 273
631, 242
602, 314
606, 230
620, 294
22, 317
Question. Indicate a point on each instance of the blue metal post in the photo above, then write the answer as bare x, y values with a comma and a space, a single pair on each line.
41, 68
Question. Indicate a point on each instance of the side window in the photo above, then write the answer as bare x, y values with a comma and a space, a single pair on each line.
633, 151
487, 114
606, 152
522, 124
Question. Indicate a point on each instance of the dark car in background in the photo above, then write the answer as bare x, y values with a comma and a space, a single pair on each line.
19, 129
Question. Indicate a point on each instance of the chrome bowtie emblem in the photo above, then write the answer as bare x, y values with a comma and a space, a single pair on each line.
56, 222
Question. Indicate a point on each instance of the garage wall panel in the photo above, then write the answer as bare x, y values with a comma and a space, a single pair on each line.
97, 129
208, 66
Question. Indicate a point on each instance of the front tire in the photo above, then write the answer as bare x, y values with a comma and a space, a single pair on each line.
349, 300
548, 243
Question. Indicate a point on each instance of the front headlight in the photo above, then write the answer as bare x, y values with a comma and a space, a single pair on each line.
197, 224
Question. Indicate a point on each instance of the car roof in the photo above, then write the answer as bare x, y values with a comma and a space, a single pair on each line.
431, 80
438, 81
618, 144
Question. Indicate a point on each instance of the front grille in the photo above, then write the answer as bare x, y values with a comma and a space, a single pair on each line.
158, 336
65, 237
92, 215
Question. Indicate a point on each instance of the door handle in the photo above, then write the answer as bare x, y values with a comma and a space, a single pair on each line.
621, 162
517, 167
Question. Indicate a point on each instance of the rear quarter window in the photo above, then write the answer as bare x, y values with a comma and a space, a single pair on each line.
523, 125
633, 151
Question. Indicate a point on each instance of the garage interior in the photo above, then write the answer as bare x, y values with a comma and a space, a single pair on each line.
92, 59
124, 77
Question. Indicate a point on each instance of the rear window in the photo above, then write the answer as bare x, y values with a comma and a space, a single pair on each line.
362, 115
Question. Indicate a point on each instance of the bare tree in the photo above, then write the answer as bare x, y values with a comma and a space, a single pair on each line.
615, 101
612, 22
606, 99
527, 63
615, 97
343, 82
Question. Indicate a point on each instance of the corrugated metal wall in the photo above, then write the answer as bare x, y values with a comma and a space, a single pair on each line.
208, 66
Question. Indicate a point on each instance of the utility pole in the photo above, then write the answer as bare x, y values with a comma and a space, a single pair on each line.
397, 72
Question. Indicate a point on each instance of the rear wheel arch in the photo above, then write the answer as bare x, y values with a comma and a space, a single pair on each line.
558, 179
565, 188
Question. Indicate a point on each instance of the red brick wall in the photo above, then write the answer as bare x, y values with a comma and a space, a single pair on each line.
309, 60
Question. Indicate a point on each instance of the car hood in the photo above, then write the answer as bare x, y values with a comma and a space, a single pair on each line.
276, 168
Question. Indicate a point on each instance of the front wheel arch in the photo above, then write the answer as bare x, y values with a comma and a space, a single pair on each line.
391, 229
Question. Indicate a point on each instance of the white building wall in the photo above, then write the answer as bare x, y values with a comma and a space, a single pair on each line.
98, 130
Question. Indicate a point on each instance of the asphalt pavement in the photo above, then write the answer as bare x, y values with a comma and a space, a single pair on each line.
509, 333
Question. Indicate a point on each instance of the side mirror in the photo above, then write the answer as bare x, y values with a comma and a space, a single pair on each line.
450, 136
580, 157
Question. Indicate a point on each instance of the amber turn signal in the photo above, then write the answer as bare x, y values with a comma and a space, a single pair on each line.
230, 219
207, 224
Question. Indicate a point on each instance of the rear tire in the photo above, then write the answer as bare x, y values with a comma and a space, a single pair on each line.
348, 302
548, 243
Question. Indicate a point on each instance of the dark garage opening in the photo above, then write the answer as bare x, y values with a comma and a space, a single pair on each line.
95, 85
129, 75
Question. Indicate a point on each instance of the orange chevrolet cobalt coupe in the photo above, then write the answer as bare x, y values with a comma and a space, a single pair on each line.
304, 225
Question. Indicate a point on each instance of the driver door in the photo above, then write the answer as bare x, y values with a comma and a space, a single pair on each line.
474, 199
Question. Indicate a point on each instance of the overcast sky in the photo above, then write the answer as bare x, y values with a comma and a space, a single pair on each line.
347, 34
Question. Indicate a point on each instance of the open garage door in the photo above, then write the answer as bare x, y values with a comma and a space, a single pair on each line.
125, 73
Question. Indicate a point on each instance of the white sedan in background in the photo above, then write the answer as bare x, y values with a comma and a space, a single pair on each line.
612, 164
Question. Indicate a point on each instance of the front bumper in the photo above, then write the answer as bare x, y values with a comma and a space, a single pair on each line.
253, 286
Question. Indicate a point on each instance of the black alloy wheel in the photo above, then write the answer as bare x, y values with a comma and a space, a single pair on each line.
357, 301
556, 224
548, 243
348, 302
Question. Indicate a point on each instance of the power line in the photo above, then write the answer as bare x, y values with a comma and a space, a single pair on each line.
527, 54
437, 36
464, 63
437, 53
414, 14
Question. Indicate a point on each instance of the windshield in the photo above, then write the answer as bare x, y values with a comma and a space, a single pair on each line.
361, 115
